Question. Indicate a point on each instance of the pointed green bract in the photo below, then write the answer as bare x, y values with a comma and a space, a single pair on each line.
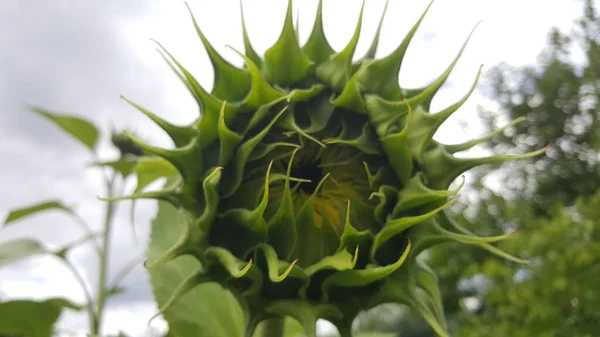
285, 63
249, 50
317, 48
336, 71
307, 186
370, 54
230, 83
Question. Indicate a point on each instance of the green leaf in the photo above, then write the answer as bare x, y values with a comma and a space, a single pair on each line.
31, 210
115, 291
124, 166
149, 169
305, 312
206, 310
79, 128
13, 251
31, 318
291, 328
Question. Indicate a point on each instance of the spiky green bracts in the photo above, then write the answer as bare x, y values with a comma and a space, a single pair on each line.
310, 183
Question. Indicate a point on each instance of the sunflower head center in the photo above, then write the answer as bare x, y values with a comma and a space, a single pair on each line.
310, 172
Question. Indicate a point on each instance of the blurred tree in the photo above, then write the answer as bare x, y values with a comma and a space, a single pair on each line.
556, 199
559, 99
557, 295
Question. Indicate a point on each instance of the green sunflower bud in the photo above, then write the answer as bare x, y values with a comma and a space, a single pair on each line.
310, 183
125, 145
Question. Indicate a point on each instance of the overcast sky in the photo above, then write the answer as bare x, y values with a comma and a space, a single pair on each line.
78, 56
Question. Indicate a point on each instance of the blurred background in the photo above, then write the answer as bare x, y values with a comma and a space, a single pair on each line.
541, 61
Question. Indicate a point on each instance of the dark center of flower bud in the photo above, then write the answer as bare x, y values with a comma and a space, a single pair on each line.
308, 171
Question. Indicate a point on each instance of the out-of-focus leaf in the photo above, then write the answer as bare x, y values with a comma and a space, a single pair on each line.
358, 334
291, 329
124, 166
20, 213
13, 251
82, 130
114, 291
16, 250
149, 169
62, 253
31, 318
208, 309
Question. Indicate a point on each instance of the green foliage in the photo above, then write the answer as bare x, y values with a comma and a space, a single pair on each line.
307, 187
557, 215
36, 319
13, 251
82, 130
207, 310
125, 165
557, 295
17, 214
31, 318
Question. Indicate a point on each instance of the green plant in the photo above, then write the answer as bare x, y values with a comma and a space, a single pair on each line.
36, 319
556, 296
307, 187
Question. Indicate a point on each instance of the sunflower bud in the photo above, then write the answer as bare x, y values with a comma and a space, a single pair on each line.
310, 182
125, 145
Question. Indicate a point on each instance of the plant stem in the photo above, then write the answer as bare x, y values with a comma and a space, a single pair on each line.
104, 255
273, 327
88, 296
